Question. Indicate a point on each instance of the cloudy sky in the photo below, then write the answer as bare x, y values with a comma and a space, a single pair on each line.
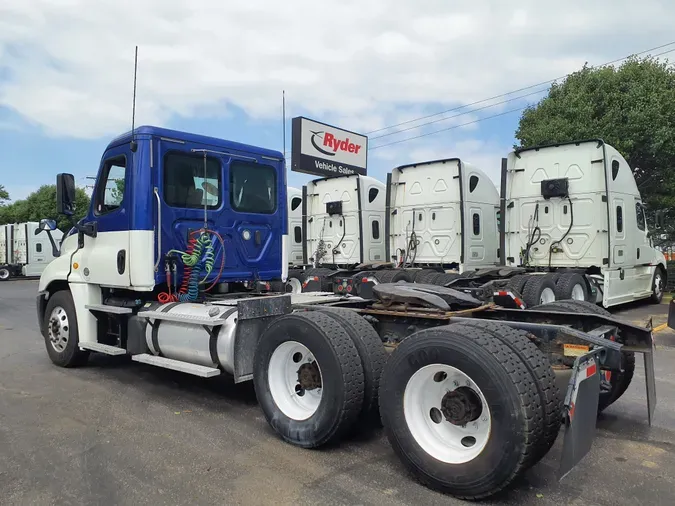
218, 67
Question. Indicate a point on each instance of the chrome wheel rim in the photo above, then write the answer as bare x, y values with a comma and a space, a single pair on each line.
447, 414
295, 381
58, 329
578, 292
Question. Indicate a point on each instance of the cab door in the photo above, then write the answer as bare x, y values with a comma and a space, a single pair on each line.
104, 259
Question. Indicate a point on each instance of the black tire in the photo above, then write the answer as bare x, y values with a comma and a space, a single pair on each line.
499, 374
517, 283
371, 352
658, 286
543, 380
427, 276
535, 287
70, 355
413, 273
619, 381
445, 277
341, 378
564, 287
5, 274
392, 276
574, 306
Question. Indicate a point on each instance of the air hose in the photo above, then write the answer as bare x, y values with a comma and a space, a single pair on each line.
199, 256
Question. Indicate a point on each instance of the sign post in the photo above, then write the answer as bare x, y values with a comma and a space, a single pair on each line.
327, 151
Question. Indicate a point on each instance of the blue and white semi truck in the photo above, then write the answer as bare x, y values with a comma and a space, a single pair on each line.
471, 390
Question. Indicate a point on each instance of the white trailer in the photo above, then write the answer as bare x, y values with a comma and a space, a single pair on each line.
442, 213
344, 220
575, 209
24, 251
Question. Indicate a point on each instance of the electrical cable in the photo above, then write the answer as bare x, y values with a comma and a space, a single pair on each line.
550, 249
344, 233
531, 239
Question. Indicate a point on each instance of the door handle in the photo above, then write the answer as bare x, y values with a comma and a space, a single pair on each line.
121, 261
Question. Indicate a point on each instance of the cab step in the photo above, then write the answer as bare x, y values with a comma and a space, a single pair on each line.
177, 365
105, 308
102, 348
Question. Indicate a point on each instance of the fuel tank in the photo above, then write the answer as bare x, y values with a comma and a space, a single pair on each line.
190, 341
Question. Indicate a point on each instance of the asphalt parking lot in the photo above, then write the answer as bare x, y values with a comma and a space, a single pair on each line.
118, 432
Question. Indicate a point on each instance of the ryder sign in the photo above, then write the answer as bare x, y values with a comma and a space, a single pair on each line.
326, 151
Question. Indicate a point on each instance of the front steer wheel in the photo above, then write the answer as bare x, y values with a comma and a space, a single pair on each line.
459, 411
308, 378
60, 331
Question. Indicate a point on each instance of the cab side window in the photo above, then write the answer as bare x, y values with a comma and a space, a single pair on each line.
640, 214
110, 191
192, 182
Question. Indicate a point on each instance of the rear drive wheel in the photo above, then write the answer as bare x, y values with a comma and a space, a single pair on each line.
4, 274
517, 283
427, 276
571, 285
457, 410
543, 380
392, 276
308, 378
446, 277
619, 380
658, 286
293, 284
371, 352
539, 290
61, 332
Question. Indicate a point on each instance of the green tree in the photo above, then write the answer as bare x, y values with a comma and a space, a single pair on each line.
631, 107
42, 204
4, 195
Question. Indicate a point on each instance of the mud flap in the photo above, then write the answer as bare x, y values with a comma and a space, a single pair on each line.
581, 412
671, 314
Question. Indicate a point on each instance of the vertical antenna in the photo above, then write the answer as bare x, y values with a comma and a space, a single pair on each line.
283, 113
134, 146
206, 199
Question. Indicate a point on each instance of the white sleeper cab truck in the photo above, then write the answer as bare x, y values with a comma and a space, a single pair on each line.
443, 214
344, 219
469, 402
574, 210
24, 250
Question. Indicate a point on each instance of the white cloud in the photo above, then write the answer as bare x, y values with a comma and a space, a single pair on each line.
66, 65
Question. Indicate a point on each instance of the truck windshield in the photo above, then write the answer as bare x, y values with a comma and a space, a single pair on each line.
253, 188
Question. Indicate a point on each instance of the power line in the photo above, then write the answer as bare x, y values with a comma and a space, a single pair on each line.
514, 91
370, 148
458, 115
446, 129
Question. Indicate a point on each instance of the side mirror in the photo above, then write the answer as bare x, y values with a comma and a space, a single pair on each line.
46, 225
65, 194
659, 219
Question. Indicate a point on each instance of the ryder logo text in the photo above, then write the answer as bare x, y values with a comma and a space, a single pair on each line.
333, 144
